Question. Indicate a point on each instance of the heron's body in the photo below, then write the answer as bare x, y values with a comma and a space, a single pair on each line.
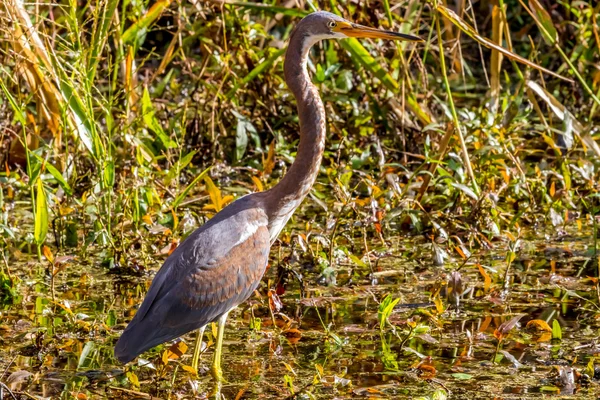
220, 265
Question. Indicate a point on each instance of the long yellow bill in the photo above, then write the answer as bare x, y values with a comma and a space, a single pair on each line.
360, 31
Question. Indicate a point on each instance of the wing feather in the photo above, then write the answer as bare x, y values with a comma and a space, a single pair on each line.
212, 271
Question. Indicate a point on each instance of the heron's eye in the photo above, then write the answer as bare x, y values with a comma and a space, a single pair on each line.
331, 24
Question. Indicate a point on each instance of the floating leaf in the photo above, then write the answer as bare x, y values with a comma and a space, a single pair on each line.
539, 323
462, 376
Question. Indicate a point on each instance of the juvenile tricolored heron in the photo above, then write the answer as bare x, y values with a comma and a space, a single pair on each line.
220, 265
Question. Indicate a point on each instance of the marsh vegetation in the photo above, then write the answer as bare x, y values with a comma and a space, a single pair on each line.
447, 250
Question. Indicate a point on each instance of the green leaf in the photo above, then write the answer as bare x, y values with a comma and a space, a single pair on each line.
13, 103
462, 376
357, 260
85, 353
109, 173
385, 310
344, 81
320, 73
244, 126
152, 122
59, 178
83, 123
41, 214
556, 330
544, 22
465, 189
179, 166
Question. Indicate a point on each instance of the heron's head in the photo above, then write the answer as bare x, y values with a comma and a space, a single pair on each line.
325, 25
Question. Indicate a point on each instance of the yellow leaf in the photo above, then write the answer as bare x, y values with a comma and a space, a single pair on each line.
539, 323
189, 369
48, 254
226, 200
269, 162
319, 369
552, 189
147, 219
487, 281
177, 350
439, 306
214, 330
165, 357
214, 193
175, 219
258, 184
133, 379
289, 367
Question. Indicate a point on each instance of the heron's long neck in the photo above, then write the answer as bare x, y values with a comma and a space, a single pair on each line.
287, 195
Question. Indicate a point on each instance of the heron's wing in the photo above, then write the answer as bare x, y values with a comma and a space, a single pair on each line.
214, 270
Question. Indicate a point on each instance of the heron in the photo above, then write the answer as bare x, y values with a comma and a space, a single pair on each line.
219, 265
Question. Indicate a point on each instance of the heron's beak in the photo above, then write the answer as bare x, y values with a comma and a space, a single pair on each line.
359, 31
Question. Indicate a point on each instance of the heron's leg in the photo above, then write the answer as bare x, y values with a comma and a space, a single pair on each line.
198, 348
216, 367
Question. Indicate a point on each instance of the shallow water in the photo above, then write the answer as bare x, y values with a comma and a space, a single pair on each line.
62, 348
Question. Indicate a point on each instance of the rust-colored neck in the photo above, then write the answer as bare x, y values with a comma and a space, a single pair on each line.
283, 199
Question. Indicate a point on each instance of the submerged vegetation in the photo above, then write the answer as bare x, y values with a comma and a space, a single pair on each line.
448, 249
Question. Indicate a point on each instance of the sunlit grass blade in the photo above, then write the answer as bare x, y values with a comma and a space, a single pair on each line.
456, 121
104, 15
152, 122
496, 61
472, 33
139, 28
